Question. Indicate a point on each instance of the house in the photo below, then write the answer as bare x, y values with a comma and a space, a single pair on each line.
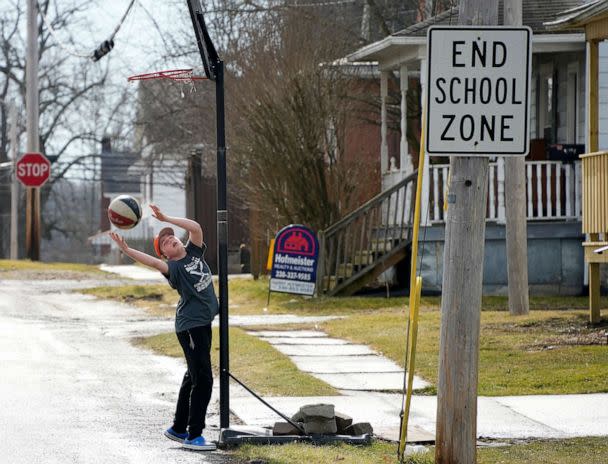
593, 17
115, 179
553, 175
159, 181
201, 204
181, 186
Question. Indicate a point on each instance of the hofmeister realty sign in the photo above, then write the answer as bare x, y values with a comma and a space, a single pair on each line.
294, 265
478, 90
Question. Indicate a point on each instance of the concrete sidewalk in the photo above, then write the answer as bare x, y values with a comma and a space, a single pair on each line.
134, 272
543, 416
369, 385
341, 364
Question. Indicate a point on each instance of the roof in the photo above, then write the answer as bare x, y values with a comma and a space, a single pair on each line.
447, 18
407, 45
116, 173
535, 14
579, 16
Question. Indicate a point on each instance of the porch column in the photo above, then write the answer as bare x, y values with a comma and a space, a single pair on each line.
500, 174
592, 144
425, 201
405, 162
592, 96
383, 122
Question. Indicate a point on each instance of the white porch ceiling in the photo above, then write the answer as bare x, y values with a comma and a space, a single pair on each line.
394, 51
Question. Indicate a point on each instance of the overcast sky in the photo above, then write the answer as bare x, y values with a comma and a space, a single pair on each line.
138, 44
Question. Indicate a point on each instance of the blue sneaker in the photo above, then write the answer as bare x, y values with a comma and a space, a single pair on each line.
198, 444
173, 435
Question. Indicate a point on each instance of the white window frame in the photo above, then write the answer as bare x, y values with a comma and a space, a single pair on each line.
573, 84
545, 72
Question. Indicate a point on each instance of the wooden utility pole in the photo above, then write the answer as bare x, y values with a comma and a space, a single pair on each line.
14, 184
32, 221
456, 433
515, 206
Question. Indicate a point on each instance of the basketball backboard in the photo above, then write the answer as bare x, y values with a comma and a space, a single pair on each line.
205, 45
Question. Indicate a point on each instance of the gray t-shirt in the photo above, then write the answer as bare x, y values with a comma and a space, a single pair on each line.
191, 277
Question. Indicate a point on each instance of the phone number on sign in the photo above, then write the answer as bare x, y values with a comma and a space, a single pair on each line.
292, 275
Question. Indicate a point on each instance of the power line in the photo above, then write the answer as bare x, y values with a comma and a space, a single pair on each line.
100, 51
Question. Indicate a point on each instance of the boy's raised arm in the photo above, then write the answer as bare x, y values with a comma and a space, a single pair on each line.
194, 229
139, 256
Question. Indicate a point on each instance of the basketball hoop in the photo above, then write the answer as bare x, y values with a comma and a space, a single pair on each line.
185, 76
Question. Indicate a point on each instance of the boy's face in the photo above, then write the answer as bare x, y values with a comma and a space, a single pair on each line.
170, 246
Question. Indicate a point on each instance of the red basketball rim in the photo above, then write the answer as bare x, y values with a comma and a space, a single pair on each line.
179, 75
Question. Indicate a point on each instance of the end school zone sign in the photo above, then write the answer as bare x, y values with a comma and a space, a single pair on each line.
478, 90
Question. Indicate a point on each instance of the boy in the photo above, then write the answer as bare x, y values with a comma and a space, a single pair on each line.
188, 273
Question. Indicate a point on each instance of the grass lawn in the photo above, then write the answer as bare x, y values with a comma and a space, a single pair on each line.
276, 376
572, 451
247, 297
546, 352
250, 297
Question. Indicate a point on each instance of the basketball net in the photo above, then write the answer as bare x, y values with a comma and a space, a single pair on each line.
181, 76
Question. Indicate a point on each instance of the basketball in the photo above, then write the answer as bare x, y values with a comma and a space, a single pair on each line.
124, 212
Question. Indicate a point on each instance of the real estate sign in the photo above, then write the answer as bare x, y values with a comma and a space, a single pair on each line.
478, 87
294, 264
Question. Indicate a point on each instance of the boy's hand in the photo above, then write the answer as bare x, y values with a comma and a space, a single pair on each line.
157, 213
120, 241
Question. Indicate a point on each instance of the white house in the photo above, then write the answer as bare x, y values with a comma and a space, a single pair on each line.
151, 179
557, 134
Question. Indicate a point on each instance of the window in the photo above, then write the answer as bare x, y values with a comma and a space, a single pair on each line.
572, 103
547, 102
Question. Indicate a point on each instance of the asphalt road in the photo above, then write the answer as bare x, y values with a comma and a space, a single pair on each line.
73, 389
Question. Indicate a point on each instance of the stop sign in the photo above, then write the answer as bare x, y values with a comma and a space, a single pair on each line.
33, 169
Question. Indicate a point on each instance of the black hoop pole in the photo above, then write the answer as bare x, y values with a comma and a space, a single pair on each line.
214, 70
222, 233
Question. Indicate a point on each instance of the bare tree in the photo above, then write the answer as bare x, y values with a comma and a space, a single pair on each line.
74, 92
286, 113
172, 117
288, 139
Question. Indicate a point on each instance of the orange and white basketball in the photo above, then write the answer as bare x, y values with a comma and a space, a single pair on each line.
124, 212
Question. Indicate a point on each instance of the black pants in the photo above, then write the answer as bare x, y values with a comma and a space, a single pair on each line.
195, 392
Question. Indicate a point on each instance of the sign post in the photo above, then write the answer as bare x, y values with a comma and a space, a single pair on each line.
477, 102
516, 227
32, 106
33, 170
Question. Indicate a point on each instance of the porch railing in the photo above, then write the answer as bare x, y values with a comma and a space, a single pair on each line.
553, 191
369, 237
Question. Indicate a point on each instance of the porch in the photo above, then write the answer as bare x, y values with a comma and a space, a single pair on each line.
553, 191
554, 213
553, 171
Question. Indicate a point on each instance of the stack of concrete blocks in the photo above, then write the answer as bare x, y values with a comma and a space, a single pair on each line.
322, 419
